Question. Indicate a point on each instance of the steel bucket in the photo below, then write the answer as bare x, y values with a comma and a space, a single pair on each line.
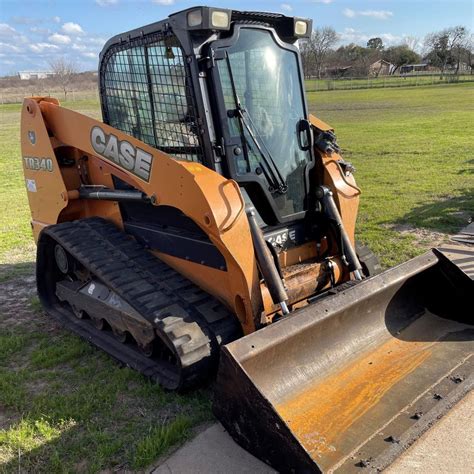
350, 381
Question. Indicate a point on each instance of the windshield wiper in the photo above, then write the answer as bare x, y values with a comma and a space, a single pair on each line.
270, 170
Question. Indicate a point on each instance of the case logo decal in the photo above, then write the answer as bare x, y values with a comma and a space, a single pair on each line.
122, 153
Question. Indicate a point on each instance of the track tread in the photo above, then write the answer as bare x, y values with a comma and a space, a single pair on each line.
166, 299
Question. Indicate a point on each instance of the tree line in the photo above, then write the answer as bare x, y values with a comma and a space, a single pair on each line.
449, 49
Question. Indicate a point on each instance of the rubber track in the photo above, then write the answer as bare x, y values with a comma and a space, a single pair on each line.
191, 321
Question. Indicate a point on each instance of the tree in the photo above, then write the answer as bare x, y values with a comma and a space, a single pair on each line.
446, 47
400, 55
64, 72
375, 43
315, 50
358, 57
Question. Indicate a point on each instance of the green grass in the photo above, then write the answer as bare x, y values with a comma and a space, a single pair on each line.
72, 408
385, 82
413, 151
67, 407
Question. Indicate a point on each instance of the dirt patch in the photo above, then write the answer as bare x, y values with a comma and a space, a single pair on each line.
422, 237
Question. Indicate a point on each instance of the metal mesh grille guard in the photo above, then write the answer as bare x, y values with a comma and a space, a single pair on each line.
146, 91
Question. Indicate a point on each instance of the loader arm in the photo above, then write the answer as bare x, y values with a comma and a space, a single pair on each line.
211, 201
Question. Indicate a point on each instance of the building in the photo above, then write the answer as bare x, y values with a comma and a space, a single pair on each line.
26, 75
407, 68
381, 68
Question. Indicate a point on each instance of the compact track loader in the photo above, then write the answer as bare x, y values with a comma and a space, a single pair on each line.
210, 218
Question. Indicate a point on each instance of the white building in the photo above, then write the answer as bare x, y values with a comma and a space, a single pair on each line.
25, 75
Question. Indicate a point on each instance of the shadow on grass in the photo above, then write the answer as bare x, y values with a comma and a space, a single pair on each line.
443, 215
10, 271
469, 169
68, 407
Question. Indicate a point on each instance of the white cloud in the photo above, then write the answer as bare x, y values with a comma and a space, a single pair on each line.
390, 39
164, 2
9, 48
79, 47
349, 13
71, 28
377, 14
95, 40
40, 31
57, 19
42, 47
6, 30
327, 2
286, 7
351, 35
59, 39
106, 3
90, 55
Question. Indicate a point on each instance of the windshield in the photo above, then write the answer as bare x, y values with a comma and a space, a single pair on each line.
267, 83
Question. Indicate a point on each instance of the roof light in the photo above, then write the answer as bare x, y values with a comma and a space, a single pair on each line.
301, 27
195, 18
220, 19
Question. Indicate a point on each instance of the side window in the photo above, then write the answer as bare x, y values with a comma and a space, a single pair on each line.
147, 93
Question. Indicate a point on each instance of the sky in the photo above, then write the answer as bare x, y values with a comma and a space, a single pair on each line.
35, 32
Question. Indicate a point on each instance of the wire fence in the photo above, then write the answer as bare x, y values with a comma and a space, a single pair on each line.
16, 95
408, 80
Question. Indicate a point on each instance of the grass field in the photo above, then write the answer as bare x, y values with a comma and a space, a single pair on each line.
408, 80
66, 407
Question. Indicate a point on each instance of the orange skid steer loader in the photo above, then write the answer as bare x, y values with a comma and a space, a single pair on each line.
208, 225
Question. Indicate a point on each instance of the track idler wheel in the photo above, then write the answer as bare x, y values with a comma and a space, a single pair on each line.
146, 350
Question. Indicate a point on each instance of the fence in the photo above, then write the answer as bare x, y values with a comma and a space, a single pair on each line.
16, 95
408, 80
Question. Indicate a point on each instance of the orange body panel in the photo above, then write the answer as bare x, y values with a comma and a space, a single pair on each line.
211, 201
52, 133
345, 191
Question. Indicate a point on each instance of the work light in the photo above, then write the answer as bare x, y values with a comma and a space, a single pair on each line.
206, 18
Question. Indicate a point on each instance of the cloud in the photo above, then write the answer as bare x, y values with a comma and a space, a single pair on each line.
106, 3
377, 14
42, 47
349, 13
9, 48
56, 19
71, 28
164, 2
79, 47
351, 35
326, 2
40, 31
286, 7
59, 39
6, 30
